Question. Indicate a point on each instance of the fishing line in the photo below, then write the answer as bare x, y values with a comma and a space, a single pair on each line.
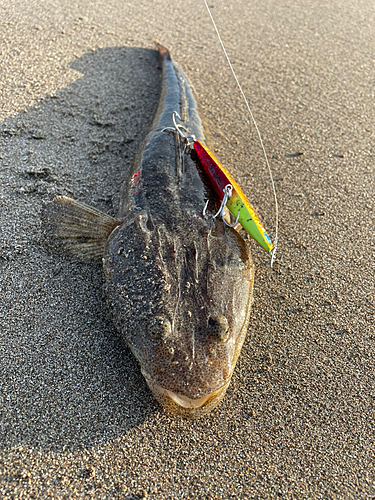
258, 132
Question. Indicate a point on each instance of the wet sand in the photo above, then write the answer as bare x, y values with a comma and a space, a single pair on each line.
79, 86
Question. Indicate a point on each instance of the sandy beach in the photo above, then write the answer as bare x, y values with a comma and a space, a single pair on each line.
79, 86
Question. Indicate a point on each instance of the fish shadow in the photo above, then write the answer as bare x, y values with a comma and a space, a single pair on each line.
67, 378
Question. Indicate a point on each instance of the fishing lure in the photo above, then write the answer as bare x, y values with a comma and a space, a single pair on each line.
272, 251
226, 188
232, 196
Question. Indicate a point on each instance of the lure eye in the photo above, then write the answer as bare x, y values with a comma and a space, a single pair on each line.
218, 327
159, 328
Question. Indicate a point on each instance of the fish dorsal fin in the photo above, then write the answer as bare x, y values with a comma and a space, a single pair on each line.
83, 230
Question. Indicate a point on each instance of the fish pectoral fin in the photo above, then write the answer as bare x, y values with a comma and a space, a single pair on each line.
83, 230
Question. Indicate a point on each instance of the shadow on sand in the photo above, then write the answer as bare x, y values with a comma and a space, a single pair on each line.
67, 378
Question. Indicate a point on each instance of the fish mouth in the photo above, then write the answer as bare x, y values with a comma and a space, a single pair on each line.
185, 406
184, 401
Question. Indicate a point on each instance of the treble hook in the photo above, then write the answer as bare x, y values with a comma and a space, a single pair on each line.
205, 209
181, 130
227, 194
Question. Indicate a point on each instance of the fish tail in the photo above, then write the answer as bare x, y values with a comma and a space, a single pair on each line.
164, 53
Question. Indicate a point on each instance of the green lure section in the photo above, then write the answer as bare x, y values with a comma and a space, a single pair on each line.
237, 203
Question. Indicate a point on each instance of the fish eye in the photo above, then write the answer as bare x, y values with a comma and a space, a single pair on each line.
159, 328
218, 327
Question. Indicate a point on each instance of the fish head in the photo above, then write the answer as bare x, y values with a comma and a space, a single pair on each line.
181, 297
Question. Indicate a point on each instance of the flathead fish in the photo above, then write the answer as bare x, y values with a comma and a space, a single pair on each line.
179, 282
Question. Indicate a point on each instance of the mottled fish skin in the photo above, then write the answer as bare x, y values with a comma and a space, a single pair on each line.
179, 285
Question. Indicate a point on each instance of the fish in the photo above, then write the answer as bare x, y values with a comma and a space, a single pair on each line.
178, 282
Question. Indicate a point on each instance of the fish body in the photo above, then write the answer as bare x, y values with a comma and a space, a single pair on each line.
179, 284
